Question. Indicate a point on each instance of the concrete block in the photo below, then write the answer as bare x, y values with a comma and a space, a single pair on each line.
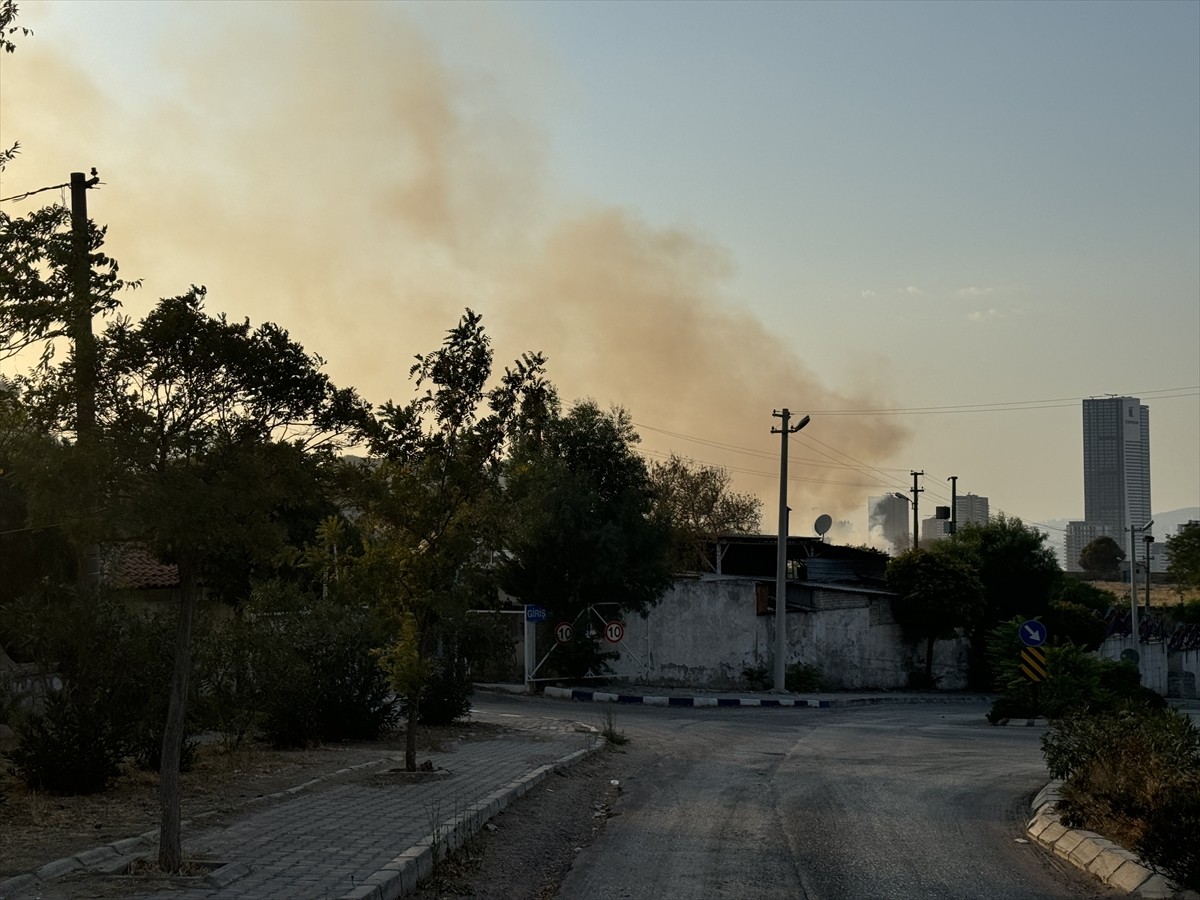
11, 887
656, 701
705, 701
58, 868
1130, 876
131, 845
363, 892
1109, 860
1052, 832
1040, 823
599, 697
1068, 842
227, 874
1088, 849
97, 857
1156, 888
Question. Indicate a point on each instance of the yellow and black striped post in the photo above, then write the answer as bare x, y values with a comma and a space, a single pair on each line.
1033, 663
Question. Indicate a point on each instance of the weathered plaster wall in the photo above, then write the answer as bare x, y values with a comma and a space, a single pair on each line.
705, 633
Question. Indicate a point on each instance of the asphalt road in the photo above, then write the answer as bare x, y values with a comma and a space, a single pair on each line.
907, 801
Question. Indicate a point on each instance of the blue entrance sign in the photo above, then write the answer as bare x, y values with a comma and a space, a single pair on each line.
535, 613
1033, 633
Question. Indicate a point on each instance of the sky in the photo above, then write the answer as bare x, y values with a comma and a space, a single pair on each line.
932, 227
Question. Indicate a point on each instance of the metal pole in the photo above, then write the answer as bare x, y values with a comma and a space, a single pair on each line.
1133, 602
1147, 540
953, 504
781, 549
85, 344
530, 651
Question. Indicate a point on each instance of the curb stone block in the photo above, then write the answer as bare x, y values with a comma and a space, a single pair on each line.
12, 886
1052, 832
227, 874
96, 857
1089, 848
1068, 842
58, 868
1129, 876
1040, 823
1109, 860
1157, 888
130, 845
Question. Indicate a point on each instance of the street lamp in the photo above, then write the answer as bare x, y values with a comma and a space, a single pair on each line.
781, 549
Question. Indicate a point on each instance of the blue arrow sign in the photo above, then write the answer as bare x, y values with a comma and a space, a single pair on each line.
1033, 633
535, 613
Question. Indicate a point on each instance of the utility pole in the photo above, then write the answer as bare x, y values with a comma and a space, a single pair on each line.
916, 492
1148, 539
781, 549
81, 280
85, 346
953, 503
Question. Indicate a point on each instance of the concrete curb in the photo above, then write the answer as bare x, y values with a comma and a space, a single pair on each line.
1108, 861
401, 875
589, 696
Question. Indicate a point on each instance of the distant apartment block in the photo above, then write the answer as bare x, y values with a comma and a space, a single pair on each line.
1116, 466
1079, 535
971, 509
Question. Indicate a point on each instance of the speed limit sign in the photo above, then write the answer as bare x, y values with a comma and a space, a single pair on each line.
614, 631
563, 632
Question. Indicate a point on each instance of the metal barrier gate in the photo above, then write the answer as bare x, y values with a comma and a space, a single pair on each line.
544, 635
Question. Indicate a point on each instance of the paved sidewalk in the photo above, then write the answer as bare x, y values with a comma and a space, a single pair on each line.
367, 832
689, 697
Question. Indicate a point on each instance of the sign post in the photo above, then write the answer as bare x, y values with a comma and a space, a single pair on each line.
533, 615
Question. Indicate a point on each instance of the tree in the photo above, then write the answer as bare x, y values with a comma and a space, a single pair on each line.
698, 502
200, 421
939, 594
583, 529
1102, 556
1183, 552
428, 500
1019, 574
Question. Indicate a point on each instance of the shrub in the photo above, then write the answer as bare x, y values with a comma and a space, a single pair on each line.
447, 695
101, 667
313, 675
1170, 842
72, 747
1121, 768
757, 677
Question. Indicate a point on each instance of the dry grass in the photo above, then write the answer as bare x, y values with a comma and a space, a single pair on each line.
1160, 594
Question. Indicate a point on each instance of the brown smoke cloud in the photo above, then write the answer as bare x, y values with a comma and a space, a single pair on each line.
328, 170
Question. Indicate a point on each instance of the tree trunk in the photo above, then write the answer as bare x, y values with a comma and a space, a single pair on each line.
170, 843
410, 734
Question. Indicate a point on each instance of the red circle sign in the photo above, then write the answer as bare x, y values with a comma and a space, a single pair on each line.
563, 632
614, 631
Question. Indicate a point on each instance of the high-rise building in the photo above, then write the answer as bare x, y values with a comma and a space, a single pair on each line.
970, 509
890, 514
1116, 464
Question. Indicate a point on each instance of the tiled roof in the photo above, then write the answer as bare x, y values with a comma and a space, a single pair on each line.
133, 568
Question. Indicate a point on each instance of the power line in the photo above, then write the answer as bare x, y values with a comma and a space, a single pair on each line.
1006, 406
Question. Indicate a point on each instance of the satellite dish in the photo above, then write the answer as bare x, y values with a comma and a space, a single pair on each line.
823, 524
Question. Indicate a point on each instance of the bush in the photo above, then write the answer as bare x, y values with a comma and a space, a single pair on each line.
312, 675
1122, 769
757, 677
105, 689
72, 747
447, 694
1171, 840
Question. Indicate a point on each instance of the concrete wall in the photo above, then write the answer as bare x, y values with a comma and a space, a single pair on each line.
705, 633
1154, 662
